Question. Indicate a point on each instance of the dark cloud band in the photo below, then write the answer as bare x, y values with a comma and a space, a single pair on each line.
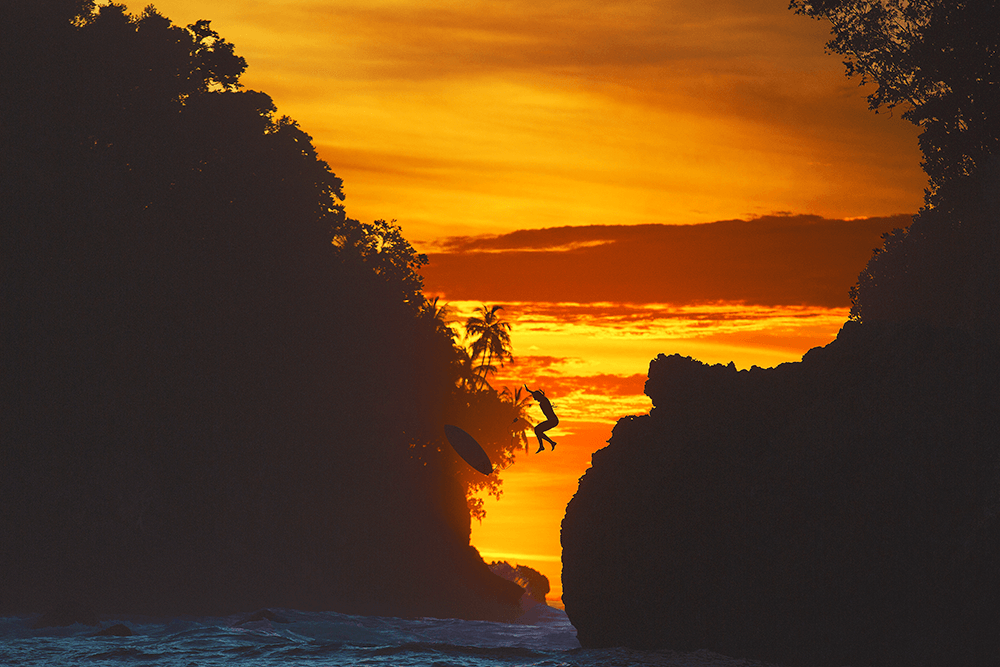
772, 260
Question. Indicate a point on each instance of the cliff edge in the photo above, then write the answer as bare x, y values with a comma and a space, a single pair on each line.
839, 510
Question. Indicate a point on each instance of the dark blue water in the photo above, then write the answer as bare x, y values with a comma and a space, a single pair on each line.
289, 637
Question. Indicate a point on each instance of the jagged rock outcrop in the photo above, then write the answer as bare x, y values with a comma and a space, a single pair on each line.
839, 510
534, 583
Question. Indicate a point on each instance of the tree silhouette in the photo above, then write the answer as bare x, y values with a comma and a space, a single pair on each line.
466, 371
490, 336
497, 421
202, 358
439, 313
937, 58
462, 362
381, 247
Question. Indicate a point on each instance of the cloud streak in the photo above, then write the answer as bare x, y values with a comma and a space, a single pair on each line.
772, 260
459, 117
602, 350
410, 40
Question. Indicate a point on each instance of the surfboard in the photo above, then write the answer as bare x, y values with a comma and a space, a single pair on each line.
468, 449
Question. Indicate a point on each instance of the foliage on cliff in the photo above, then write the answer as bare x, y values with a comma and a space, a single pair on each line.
218, 391
942, 269
938, 60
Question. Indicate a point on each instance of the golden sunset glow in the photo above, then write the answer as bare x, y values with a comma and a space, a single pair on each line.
562, 159
606, 349
465, 117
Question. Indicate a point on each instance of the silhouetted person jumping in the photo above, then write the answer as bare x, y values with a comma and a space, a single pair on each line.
550, 418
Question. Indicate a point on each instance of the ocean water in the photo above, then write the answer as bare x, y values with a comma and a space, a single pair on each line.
326, 639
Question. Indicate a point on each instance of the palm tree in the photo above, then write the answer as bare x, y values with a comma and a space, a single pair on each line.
491, 340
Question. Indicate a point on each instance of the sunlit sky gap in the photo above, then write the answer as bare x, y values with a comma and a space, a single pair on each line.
533, 149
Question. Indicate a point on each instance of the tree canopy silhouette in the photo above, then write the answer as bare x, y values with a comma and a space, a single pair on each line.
939, 59
381, 247
496, 419
218, 391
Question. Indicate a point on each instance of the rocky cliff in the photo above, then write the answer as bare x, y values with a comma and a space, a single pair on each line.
840, 510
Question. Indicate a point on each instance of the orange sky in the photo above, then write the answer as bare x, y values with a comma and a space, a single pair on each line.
542, 153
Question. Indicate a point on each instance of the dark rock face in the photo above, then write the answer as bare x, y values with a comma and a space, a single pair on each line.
534, 583
841, 510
